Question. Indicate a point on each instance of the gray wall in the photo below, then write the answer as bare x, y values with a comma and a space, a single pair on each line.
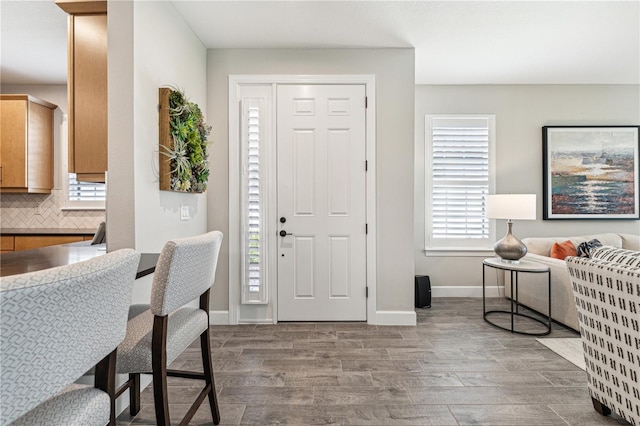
394, 71
521, 111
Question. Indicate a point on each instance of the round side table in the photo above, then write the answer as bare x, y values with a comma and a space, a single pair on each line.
524, 266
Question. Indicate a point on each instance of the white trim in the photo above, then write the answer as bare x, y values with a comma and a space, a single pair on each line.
466, 291
234, 202
256, 321
86, 207
459, 252
218, 317
369, 81
395, 318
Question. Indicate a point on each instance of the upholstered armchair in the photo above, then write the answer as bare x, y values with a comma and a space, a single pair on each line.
607, 295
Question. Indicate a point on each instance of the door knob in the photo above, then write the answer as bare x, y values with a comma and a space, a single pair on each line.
284, 233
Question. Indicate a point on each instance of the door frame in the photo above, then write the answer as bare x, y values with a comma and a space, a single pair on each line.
236, 81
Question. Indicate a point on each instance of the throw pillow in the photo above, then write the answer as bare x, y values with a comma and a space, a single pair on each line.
585, 249
563, 249
617, 255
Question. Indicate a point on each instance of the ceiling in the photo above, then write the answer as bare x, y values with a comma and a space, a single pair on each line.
456, 42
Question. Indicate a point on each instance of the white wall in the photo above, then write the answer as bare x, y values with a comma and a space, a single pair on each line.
394, 71
521, 111
164, 52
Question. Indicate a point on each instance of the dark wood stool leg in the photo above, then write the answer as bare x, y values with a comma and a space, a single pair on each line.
159, 364
105, 380
600, 407
134, 394
205, 348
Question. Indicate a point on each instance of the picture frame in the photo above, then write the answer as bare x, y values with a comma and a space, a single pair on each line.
591, 172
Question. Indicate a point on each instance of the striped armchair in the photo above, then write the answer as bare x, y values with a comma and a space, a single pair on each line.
606, 288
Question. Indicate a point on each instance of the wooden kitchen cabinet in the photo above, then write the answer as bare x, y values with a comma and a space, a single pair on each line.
26, 144
28, 242
6, 243
10, 243
87, 88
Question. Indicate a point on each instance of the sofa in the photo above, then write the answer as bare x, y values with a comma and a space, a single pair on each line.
532, 287
606, 289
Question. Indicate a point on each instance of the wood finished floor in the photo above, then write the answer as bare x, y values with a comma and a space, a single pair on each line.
451, 369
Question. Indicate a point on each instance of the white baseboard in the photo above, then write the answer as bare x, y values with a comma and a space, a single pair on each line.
466, 291
382, 318
256, 321
395, 318
218, 317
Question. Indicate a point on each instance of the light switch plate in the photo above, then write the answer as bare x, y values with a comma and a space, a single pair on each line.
184, 212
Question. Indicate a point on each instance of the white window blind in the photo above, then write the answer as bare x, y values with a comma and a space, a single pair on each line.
458, 179
85, 191
253, 202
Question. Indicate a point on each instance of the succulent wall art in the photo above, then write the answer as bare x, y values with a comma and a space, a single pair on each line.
184, 157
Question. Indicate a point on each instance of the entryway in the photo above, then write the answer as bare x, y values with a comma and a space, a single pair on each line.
301, 198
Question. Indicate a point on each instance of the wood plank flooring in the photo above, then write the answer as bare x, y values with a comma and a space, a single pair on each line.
451, 369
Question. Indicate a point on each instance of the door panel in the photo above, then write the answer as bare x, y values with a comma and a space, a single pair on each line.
339, 183
339, 267
303, 170
303, 255
321, 193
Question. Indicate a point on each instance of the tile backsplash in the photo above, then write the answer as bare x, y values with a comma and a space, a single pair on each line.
19, 211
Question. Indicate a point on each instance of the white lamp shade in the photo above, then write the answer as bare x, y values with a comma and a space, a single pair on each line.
511, 206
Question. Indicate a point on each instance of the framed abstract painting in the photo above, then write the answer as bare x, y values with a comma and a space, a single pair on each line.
591, 172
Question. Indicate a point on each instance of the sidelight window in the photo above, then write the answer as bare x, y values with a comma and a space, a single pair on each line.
253, 199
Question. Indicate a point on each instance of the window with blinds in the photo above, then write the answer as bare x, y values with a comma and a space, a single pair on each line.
254, 255
85, 191
459, 176
253, 246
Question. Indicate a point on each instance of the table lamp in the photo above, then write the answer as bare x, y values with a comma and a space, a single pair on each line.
510, 207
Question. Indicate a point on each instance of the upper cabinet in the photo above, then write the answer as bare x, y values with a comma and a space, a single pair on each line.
26, 144
87, 85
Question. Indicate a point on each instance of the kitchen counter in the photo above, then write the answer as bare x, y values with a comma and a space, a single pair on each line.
21, 262
47, 231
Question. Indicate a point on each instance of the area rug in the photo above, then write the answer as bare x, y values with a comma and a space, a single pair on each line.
568, 348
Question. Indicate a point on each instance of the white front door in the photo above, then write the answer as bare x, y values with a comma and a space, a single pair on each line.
321, 203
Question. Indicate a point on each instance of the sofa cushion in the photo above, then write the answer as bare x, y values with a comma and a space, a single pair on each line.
631, 241
617, 255
542, 245
563, 250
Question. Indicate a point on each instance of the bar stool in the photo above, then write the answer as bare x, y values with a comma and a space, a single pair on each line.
159, 332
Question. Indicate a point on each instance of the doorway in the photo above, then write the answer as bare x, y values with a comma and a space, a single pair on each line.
320, 165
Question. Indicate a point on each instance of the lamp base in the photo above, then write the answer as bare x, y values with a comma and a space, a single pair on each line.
510, 249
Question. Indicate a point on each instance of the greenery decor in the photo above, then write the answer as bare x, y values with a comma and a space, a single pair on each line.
183, 143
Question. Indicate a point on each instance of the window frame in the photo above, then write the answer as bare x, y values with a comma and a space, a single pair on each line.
456, 246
